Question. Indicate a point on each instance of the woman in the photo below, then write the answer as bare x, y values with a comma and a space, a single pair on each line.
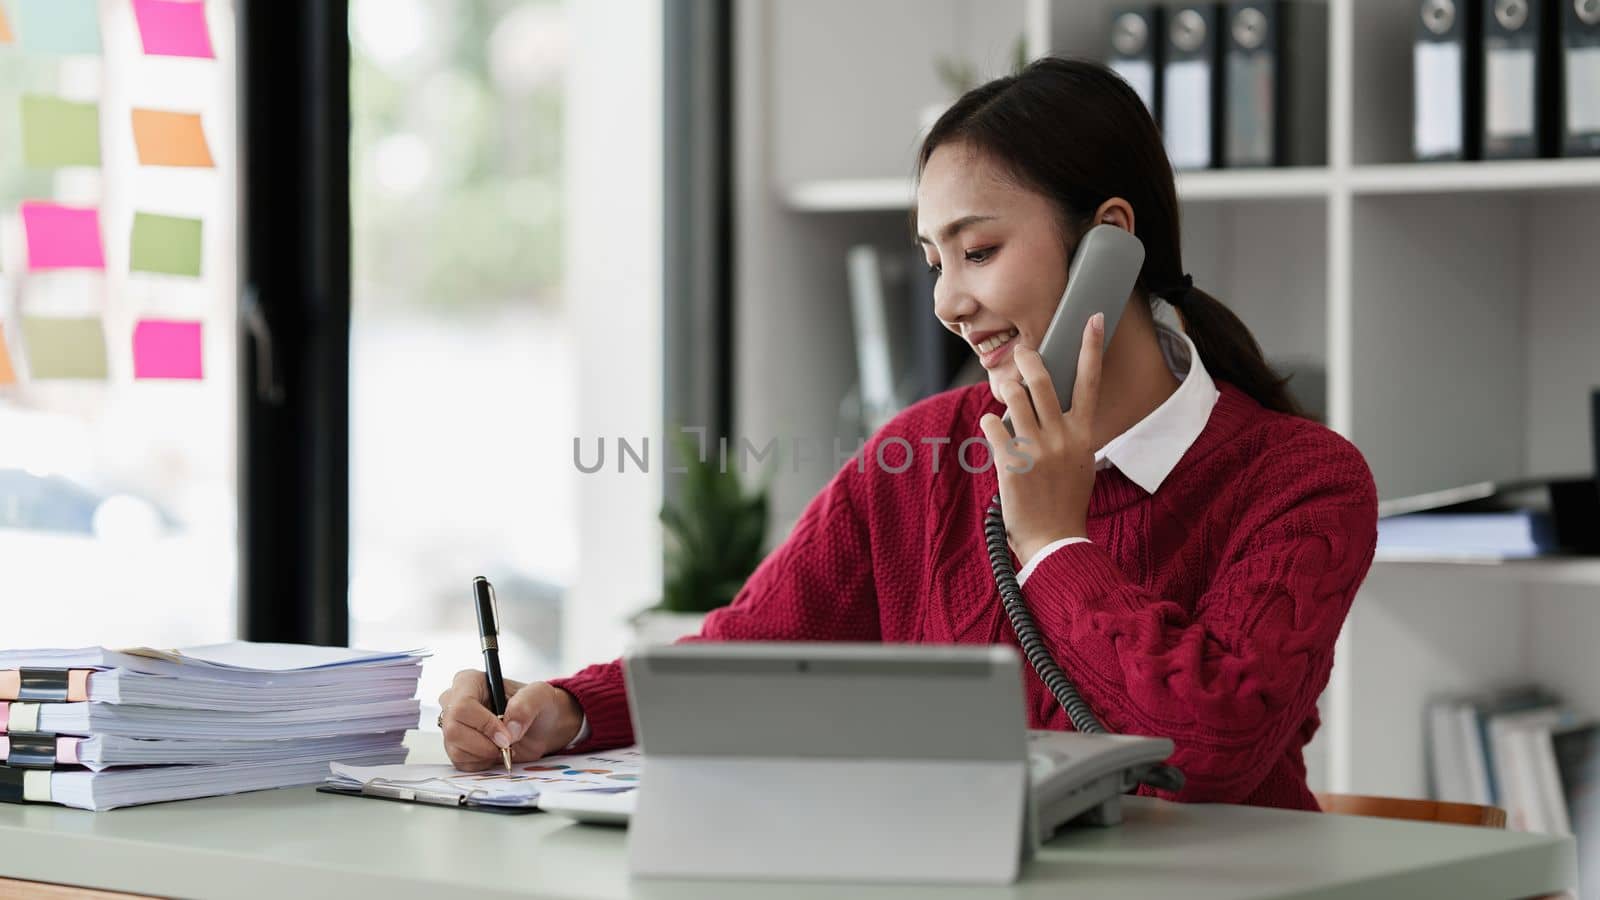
1189, 543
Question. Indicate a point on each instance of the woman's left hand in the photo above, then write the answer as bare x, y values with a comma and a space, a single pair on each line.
1047, 473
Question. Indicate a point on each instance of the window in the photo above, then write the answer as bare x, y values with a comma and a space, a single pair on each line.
117, 287
471, 329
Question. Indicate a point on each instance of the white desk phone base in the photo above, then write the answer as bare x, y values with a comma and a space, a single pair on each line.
855, 762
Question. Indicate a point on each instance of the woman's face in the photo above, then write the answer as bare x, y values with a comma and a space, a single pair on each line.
997, 249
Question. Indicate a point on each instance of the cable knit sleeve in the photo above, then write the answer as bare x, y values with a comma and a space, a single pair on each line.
1231, 681
817, 585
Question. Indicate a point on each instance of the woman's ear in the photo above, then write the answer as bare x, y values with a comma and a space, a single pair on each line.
1115, 211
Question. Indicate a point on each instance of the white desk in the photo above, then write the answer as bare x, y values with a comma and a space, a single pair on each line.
301, 844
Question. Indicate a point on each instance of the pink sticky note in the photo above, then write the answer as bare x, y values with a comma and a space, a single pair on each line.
166, 349
173, 28
62, 237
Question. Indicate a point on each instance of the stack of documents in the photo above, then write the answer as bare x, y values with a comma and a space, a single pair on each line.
97, 729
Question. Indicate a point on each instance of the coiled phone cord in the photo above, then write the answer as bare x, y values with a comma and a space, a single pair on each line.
1163, 777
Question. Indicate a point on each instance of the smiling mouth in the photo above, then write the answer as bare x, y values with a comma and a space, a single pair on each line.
994, 348
993, 343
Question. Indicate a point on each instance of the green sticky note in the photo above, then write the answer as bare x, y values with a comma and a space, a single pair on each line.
58, 132
64, 348
166, 244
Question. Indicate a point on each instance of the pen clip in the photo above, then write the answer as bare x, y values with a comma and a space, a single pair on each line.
488, 608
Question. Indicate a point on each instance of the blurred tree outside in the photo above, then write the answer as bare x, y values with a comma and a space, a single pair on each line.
456, 145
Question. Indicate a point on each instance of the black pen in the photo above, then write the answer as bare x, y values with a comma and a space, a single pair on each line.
489, 637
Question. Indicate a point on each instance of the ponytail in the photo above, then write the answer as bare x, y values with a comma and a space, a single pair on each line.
1229, 350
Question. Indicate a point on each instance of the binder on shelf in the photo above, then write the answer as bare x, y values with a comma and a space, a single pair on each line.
1136, 38
1518, 40
1275, 84
1191, 82
1579, 78
879, 330
937, 353
1447, 81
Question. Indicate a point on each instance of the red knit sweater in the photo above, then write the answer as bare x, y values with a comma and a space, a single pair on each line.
1205, 612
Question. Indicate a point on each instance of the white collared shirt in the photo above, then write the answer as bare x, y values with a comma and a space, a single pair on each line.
1149, 451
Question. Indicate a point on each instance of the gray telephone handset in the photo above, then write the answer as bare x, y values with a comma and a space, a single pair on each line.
1085, 771
1104, 267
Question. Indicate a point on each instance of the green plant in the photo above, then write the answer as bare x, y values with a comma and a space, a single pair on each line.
715, 533
959, 75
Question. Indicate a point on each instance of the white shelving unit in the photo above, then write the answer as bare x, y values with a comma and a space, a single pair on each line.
1455, 307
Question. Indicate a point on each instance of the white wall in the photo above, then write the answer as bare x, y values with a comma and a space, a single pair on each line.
613, 296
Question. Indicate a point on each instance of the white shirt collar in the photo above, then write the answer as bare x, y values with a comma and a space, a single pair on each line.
1149, 451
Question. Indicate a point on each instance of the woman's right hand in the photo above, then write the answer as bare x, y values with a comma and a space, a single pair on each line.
540, 718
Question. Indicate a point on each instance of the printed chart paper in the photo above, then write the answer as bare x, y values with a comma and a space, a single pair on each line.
611, 770
173, 28
62, 237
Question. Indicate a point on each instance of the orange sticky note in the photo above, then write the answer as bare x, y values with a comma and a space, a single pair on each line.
8, 375
5, 38
170, 139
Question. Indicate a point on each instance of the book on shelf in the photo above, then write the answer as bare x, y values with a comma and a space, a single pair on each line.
1493, 520
903, 352
1457, 737
1520, 748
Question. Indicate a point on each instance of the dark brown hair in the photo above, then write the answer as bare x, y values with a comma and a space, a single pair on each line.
1076, 132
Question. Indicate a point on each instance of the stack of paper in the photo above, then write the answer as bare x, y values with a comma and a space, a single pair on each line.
97, 729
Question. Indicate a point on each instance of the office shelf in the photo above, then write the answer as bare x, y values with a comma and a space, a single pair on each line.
896, 194
1451, 307
1488, 175
1572, 570
1254, 184
851, 195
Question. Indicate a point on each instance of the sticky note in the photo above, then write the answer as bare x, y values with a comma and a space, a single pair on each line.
8, 375
58, 132
166, 138
166, 244
59, 26
62, 237
64, 348
166, 349
173, 28
5, 28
